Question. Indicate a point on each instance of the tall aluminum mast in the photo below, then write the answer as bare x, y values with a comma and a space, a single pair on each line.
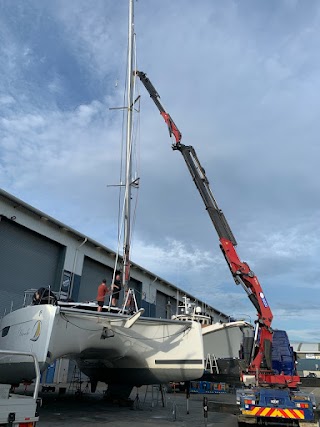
128, 181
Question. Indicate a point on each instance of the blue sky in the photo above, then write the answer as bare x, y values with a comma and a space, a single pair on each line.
242, 82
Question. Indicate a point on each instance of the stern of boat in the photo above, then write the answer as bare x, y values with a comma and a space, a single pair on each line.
28, 329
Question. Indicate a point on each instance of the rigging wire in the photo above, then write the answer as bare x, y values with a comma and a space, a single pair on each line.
121, 177
120, 332
136, 142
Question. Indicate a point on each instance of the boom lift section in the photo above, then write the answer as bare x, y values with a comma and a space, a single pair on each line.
261, 365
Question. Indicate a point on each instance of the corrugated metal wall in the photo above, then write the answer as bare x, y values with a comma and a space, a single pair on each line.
93, 272
28, 260
165, 305
137, 286
150, 309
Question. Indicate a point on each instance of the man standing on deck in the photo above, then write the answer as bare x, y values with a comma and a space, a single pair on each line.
116, 288
102, 291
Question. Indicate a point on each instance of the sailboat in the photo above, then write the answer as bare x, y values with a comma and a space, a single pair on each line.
112, 346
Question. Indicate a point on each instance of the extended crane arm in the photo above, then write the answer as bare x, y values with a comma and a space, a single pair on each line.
173, 130
196, 170
240, 271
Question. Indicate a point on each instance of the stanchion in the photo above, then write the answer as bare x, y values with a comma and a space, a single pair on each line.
137, 404
174, 411
163, 395
187, 395
205, 411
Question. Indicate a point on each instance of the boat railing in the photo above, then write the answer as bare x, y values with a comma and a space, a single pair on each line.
29, 294
129, 304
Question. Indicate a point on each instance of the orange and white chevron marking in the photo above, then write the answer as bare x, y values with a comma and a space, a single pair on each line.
274, 412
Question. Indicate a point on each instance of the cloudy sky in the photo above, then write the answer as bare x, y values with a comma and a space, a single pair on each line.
241, 80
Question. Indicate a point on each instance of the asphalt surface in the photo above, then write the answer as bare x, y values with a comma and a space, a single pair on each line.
149, 409
145, 408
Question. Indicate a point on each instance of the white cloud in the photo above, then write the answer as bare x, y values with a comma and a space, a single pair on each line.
7, 100
56, 86
303, 335
171, 256
290, 241
93, 33
243, 94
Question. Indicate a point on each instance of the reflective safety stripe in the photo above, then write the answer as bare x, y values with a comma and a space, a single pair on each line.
275, 412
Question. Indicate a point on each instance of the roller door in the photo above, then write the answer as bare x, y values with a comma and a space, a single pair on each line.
93, 272
166, 306
137, 286
28, 261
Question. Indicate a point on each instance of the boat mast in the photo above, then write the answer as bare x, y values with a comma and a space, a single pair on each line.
128, 181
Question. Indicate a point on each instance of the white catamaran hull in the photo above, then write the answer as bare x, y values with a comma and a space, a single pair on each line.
114, 348
225, 340
230, 344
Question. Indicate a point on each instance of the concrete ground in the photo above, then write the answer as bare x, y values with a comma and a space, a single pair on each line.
147, 410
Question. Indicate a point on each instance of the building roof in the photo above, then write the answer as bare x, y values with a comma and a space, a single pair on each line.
304, 347
20, 204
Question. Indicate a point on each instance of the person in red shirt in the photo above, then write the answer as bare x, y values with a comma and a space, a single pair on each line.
102, 291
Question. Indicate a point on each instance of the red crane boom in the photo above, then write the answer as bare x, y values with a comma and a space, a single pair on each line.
261, 362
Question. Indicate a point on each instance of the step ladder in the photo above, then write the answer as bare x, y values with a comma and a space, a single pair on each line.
76, 381
130, 302
157, 390
211, 364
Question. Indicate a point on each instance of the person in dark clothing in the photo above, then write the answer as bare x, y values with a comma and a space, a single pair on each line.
44, 296
116, 288
36, 296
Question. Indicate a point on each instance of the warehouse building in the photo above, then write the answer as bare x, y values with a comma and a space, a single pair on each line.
308, 359
39, 251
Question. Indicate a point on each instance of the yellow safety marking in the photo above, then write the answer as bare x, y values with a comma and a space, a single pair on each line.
299, 413
264, 412
275, 412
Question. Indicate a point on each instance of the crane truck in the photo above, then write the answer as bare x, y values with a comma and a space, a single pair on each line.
268, 396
